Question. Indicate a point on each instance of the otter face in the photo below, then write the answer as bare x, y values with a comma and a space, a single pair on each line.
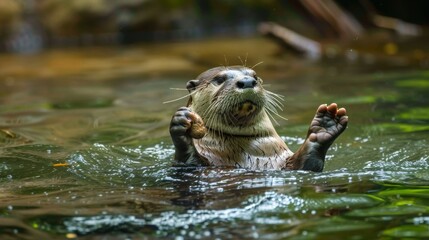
229, 98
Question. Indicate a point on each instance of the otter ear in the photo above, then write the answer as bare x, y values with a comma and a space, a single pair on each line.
192, 85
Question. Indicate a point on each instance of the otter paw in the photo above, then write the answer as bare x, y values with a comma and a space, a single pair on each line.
328, 124
186, 122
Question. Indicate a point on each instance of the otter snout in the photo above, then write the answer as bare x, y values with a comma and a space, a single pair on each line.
246, 82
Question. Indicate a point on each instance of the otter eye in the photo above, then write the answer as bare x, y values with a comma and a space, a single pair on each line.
258, 79
218, 80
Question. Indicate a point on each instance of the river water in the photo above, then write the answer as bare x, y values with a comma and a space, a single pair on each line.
85, 150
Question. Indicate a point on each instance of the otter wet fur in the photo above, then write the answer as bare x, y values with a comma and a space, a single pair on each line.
227, 123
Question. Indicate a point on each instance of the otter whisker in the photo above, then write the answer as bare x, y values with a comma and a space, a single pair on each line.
241, 60
183, 97
280, 116
274, 105
272, 118
211, 120
276, 96
276, 114
179, 89
279, 96
275, 102
244, 64
226, 60
180, 98
257, 64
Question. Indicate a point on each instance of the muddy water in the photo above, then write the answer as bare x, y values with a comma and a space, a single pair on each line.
85, 151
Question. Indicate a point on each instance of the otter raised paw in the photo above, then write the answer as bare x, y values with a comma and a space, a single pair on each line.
326, 126
184, 127
226, 123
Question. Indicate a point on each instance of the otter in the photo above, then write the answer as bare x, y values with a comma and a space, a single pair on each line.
227, 123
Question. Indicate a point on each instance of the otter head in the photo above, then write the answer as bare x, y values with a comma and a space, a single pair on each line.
231, 100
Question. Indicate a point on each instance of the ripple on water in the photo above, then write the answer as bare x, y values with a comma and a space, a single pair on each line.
119, 165
262, 209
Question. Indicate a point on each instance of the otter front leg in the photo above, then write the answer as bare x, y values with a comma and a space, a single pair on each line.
326, 126
186, 125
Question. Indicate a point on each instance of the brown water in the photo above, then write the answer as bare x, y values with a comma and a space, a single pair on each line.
85, 150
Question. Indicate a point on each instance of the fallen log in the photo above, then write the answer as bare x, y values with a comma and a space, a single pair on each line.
292, 40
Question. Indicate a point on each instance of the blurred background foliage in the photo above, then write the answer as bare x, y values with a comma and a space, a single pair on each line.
32, 25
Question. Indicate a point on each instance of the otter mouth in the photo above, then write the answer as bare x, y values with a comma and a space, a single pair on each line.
244, 112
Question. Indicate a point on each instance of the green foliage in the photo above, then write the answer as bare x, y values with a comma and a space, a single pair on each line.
421, 113
413, 83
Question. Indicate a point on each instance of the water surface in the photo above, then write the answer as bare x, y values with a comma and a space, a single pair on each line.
85, 150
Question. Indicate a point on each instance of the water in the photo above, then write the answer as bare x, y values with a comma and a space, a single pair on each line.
85, 150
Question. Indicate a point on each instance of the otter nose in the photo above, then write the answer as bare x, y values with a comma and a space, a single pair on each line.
246, 82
